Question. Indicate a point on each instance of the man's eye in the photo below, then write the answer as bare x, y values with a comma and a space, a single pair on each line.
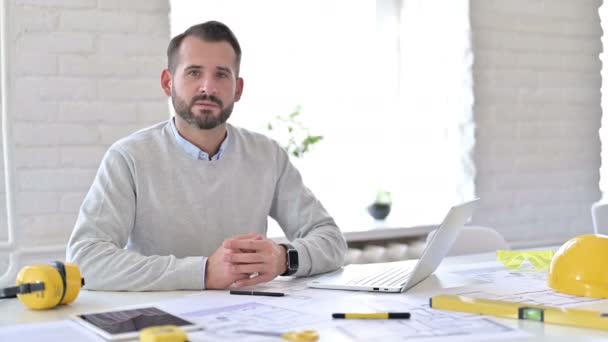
194, 73
222, 75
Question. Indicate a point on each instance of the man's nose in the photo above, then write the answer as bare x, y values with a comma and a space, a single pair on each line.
207, 86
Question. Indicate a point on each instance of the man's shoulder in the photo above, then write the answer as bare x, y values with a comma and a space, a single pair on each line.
145, 138
256, 145
252, 138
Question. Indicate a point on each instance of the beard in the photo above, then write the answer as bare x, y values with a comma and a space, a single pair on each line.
205, 118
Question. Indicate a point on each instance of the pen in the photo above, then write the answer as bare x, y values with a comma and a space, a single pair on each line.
379, 315
523, 311
257, 293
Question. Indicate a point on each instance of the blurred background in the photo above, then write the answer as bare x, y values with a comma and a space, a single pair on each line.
433, 101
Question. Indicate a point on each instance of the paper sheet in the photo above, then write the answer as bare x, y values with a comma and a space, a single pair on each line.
305, 308
498, 274
223, 323
426, 324
66, 330
525, 285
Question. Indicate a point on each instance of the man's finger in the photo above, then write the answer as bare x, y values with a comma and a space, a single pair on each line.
228, 267
246, 245
244, 258
228, 243
241, 276
254, 281
247, 268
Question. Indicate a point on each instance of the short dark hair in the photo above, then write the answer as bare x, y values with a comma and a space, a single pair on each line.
210, 31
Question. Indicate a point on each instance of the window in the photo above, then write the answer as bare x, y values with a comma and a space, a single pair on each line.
386, 123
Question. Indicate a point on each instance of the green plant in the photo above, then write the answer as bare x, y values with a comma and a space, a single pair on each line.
292, 134
383, 197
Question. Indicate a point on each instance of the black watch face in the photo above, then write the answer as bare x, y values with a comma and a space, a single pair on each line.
293, 259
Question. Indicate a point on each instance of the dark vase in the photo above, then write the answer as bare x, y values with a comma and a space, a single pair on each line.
379, 211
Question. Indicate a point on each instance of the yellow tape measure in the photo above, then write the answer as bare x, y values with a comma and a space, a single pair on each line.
163, 333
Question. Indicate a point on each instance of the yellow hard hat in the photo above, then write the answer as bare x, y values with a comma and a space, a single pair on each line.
577, 267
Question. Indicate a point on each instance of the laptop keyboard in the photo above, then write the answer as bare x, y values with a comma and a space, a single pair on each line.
394, 276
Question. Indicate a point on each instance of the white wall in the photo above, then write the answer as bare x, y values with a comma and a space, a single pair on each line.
537, 110
83, 73
603, 12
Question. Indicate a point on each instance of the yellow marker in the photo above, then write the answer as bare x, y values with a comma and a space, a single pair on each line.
532, 312
540, 260
379, 315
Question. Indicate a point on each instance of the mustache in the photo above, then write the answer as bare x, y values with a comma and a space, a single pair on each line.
207, 98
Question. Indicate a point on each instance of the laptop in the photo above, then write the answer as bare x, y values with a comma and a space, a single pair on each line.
401, 275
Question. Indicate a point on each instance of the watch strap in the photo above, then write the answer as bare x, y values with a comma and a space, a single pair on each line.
290, 269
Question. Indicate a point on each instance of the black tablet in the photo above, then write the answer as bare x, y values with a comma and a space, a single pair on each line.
126, 324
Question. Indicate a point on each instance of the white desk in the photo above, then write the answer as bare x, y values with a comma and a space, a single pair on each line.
12, 312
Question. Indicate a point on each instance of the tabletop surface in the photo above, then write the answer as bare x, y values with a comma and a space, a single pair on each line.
13, 312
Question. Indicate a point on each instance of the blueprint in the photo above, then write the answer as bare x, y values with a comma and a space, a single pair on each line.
224, 316
66, 330
524, 285
426, 324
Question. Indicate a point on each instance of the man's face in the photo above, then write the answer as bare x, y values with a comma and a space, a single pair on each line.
205, 85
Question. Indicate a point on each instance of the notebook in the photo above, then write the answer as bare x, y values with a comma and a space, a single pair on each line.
400, 276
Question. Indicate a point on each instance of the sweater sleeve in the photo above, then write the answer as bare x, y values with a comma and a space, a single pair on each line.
312, 231
105, 221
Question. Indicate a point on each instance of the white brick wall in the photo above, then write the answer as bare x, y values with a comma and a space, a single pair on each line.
537, 110
83, 73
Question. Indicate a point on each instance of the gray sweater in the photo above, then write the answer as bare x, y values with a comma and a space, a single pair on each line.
154, 213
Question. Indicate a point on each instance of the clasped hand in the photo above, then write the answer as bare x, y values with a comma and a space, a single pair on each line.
245, 260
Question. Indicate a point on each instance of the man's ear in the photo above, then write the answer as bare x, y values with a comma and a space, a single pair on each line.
239, 89
166, 81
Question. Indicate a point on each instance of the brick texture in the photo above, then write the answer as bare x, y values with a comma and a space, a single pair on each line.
84, 73
537, 112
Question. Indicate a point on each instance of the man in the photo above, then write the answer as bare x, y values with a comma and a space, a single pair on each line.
184, 204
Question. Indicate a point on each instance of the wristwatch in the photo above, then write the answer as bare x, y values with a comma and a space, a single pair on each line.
292, 259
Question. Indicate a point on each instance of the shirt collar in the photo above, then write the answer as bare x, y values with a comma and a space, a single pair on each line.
192, 150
